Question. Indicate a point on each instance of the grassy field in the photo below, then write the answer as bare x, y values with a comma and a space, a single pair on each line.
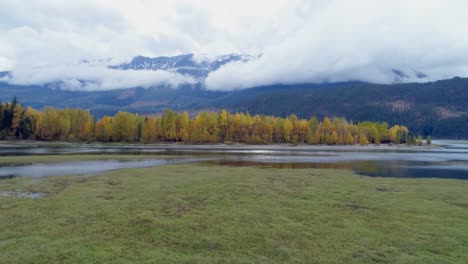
213, 214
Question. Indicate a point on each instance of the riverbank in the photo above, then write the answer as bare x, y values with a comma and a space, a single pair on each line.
179, 145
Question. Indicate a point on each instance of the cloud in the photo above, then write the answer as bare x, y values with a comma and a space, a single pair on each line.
96, 77
361, 40
5, 64
300, 40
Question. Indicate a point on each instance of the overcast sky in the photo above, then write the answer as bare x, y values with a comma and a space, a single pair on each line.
300, 41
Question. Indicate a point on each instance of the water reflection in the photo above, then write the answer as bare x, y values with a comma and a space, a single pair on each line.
395, 169
80, 168
448, 161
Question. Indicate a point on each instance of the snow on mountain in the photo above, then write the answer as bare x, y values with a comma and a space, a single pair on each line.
188, 64
106, 74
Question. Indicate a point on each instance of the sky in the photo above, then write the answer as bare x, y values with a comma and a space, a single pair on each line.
300, 41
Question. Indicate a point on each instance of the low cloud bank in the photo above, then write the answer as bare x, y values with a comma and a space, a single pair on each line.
380, 42
95, 78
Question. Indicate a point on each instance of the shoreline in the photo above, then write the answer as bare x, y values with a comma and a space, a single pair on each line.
30, 143
237, 146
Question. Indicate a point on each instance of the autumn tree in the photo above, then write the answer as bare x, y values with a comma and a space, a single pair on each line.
398, 134
183, 127
127, 127
207, 127
104, 129
419, 140
363, 140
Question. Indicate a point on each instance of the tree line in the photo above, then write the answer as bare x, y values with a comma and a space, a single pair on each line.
51, 124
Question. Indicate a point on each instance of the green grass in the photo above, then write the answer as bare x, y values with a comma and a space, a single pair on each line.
214, 214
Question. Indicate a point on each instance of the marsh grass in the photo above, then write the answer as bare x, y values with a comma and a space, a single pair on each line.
223, 214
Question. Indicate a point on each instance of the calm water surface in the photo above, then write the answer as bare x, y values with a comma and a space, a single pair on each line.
448, 160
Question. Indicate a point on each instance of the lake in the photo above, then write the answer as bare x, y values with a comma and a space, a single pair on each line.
444, 159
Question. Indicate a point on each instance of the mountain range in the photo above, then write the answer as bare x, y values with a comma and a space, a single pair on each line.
439, 109
188, 64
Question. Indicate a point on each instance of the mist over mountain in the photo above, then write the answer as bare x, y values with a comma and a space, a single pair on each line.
141, 71
163, 71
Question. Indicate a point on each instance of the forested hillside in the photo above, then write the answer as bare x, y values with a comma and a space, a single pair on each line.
437, 108
17, 122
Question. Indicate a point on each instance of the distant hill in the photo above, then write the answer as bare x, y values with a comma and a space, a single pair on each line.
437, 108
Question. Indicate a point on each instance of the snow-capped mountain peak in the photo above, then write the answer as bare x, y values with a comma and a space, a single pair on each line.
188, 64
